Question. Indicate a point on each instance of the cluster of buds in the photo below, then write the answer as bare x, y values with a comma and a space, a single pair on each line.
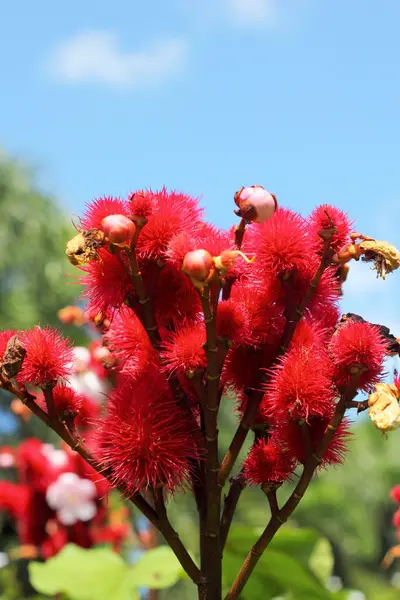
203, 269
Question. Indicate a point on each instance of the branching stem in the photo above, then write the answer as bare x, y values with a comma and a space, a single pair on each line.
78, 445
279, 517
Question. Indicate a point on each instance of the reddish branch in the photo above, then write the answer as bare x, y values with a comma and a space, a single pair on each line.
51, 409
279, 517
211, 567
255, 396
230, 504
239, 234
146, 314
75, 443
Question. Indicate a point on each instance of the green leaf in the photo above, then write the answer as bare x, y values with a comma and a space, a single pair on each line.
292, 575
321, 560
157, 569
298, 543
96, 574
283, 568
258, 585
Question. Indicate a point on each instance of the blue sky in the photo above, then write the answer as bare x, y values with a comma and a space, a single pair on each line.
301, 96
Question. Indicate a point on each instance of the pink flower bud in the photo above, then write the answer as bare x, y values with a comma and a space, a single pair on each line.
197, 264
118, 229
255, 204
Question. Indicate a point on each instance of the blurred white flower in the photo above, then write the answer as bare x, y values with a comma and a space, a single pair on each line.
72, 498
7, 460
58, 458
356, 595
82, 359
4, 560
88, 384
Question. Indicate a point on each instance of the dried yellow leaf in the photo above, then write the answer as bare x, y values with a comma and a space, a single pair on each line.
83, 247
385, 256
384, 406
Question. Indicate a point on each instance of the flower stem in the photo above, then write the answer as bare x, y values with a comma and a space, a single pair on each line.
279, 517
211, 559
48, 396
78, 445
230, 504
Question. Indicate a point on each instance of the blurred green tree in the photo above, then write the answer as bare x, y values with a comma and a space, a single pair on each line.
33, 268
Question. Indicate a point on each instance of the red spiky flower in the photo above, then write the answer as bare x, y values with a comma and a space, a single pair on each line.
129, 343
183, 351
5, 337
301, 385
282, 244
48, 357
145, 440
107, 282
173, 213
323, 217
100, 208
358, 347
292, 436
176, 299
141, 204
268, 462
65, 399
230, 320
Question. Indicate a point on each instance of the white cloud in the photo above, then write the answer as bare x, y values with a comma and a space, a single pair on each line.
96, 57
253, 12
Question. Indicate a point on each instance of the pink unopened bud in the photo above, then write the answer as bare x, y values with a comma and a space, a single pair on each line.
118, 229
198, 264
255, 204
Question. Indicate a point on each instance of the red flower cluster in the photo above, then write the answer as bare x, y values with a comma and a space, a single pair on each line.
270, 329
145, 440
58, 499
268, 463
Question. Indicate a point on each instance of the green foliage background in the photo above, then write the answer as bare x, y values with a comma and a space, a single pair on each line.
34, 274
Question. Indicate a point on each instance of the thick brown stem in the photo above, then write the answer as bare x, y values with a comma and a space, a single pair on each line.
279, 517
211, 559
256, 395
